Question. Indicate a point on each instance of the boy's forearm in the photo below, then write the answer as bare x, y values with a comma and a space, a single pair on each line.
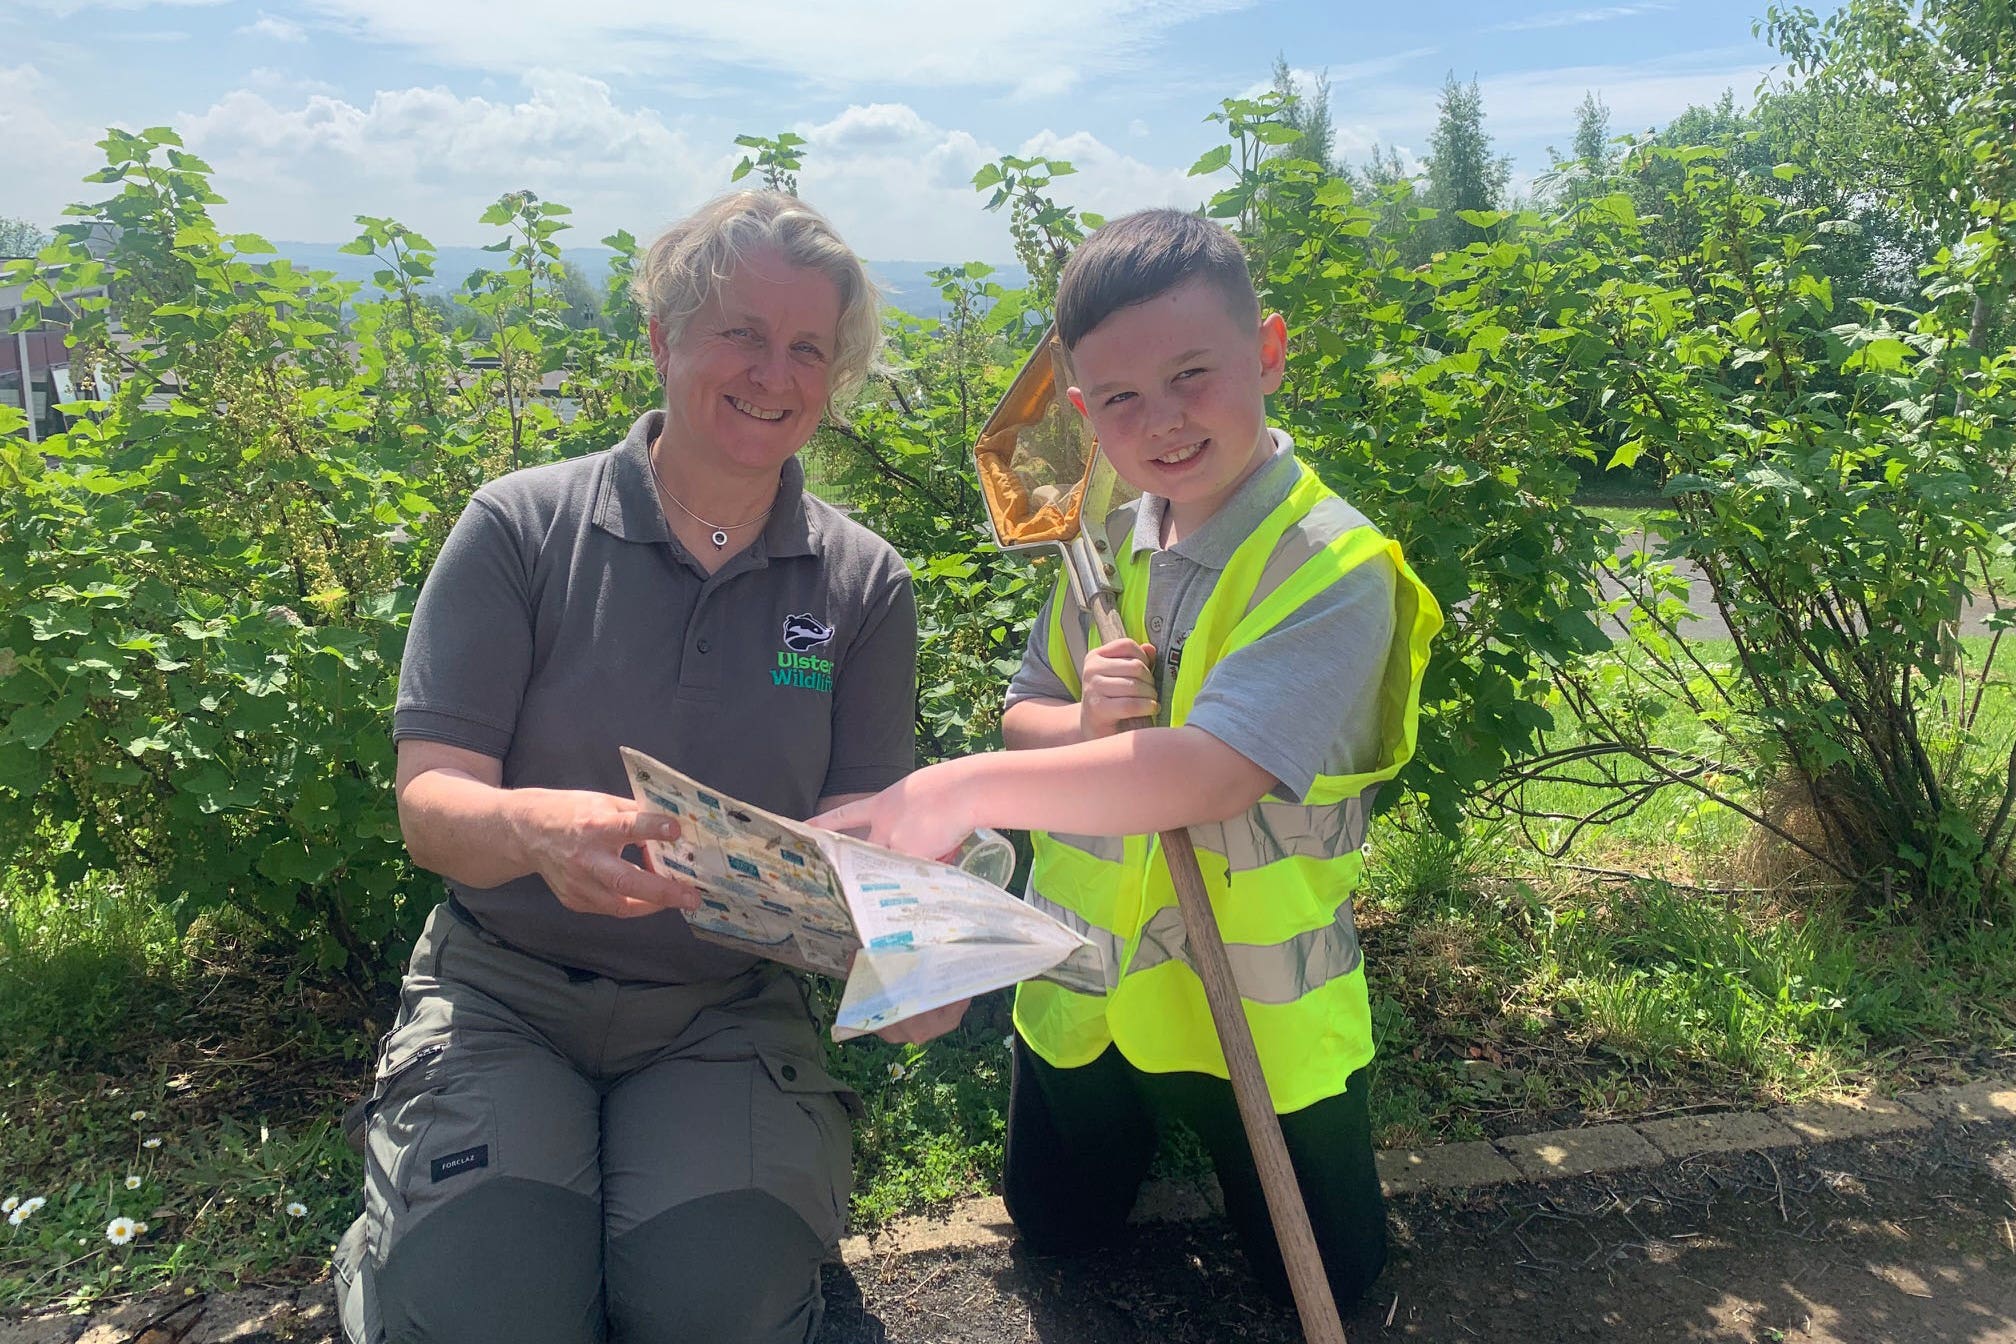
1130, 784
1030, 724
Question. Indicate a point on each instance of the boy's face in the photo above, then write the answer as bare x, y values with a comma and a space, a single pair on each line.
1176, 390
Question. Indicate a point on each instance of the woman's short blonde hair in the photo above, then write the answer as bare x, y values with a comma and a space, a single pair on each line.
682, 269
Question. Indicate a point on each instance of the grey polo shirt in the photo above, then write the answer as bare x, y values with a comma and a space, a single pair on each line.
563, 620
1301, 700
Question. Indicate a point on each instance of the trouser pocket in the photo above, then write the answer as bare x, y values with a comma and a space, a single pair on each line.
430, 1135
801, 1138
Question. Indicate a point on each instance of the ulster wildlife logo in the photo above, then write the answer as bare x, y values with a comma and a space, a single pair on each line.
802, 634
797, 665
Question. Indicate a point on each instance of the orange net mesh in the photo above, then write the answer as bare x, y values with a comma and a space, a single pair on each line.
1033, 455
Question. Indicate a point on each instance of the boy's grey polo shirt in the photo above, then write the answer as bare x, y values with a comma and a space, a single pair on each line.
563, 621
1300, 701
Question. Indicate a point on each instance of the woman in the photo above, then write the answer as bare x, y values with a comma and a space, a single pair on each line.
587, 1124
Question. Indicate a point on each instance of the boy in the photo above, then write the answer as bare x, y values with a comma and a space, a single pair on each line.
1278, 643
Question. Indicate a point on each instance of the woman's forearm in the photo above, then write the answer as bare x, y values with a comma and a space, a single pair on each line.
463, 828
1155, 779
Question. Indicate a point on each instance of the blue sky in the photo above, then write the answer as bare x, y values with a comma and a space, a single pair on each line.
426, 110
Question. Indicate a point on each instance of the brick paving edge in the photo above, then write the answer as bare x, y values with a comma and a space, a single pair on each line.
1550, 1155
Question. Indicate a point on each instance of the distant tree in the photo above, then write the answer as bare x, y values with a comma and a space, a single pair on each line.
1915, 100
1592, 131
1463, 173
1308, 111
584, 302
1583, 172
19, 238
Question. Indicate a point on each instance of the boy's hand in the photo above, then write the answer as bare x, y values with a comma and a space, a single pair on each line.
1119, 684
923, 814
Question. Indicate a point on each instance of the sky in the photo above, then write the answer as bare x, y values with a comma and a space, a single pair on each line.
626, 110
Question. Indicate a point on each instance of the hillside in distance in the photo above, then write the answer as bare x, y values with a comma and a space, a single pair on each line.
904, 283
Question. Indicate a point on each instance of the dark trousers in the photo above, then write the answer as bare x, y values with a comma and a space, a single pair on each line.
1080, 1142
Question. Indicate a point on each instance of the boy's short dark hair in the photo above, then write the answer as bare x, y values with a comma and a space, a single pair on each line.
1138, 256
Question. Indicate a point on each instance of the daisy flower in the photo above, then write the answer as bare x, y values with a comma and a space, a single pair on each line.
296, 1209
132, 1182
27, 1207
138, 1116
150, 1143
121, 1230
13, 1203
139, 1227
896, 1071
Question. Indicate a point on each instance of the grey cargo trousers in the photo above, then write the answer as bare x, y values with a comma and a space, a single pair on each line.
554, 1157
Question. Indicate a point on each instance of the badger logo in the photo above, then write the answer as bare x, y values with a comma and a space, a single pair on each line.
806, 632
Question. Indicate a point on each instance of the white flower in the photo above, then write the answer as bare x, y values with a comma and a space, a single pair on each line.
13, 1203
297, 1209
139, 1227
120, 1231
28, 1206
132, 1182
138, 1116
896, 1071
1007, 1042
150, 1143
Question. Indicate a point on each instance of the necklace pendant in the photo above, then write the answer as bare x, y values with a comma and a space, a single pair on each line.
720, 539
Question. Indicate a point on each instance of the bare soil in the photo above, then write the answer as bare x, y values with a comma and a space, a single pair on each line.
1907, 1239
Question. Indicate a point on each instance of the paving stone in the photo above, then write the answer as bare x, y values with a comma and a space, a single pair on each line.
60, 1329
1853, 1118
1177, 1202
1971, 1103
122, 1323
1576, 1152
1731, 1132
229, 1317
975, 1222
1448, 1166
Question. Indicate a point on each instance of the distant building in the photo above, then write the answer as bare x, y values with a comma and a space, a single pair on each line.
34, 366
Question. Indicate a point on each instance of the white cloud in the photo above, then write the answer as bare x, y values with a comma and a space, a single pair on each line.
300, 163
1573, 18
275, 28
435, 160
63, 9
1109, 182
909, 43
45, 158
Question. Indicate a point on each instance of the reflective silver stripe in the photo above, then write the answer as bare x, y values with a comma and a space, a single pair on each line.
1273, 831
1265, 972
1108, 848
1108, 944
1328, 519
1076, 645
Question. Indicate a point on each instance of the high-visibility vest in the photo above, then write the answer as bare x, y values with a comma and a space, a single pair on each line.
1280, 875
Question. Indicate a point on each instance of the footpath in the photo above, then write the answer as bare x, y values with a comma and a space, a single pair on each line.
1851, 1222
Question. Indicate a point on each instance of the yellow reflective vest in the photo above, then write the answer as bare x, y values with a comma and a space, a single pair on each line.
1280, 875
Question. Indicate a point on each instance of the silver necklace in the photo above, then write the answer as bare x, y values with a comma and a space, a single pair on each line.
719, 535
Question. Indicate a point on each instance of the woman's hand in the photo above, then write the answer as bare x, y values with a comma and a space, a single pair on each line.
575, 839
1118, 684
924, 814
926, 1026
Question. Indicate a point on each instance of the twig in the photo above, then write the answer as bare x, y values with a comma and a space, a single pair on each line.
1782, 1214
1390, 1310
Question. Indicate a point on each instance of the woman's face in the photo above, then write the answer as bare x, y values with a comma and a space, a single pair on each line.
746, 382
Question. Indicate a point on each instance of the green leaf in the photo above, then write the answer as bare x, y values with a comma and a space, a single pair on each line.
1211, 161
